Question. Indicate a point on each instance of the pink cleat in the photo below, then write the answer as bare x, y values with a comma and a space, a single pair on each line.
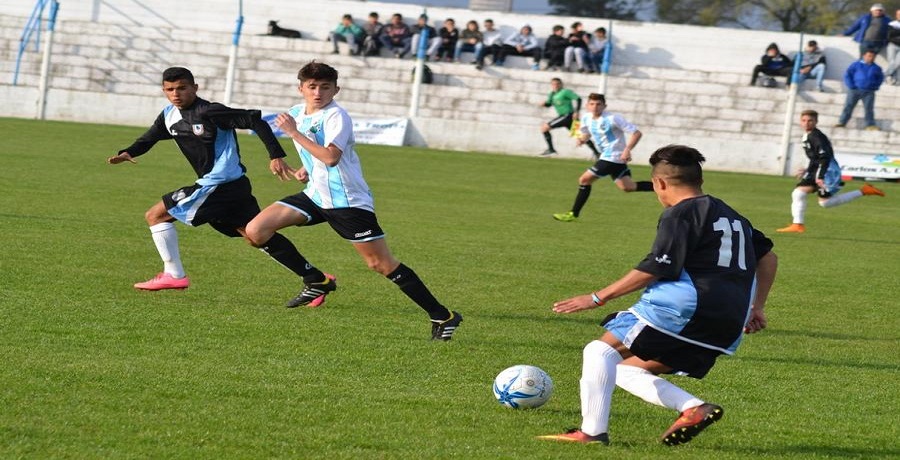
163, 281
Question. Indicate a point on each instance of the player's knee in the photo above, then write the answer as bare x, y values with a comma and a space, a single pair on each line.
255, 235
823, 203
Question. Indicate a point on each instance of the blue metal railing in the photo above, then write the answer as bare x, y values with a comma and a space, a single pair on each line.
33, 28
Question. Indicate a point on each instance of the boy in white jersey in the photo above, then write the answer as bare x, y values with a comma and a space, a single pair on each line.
607, 131
336, 193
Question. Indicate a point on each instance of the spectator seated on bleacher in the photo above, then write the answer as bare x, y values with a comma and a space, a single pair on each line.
773, 64
555, 48
578, 49
448, 35
349, 33
470, 40
597, 47
396, 36
434, 40
372, 28
812, 65
492, 39
523, 43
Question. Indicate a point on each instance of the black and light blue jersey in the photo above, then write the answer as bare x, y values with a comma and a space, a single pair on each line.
705, 256
205, 133
822, 164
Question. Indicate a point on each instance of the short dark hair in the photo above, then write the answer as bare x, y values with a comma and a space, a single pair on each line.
597, 97
810, 113
173, 74
558, 27
679, 163
347, 16
812, 43
576, 24
318, 71
373, 14
489, 20
600, 29
556, 79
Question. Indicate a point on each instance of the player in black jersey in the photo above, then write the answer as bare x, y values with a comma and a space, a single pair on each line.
222, 195
822, 176
707, 278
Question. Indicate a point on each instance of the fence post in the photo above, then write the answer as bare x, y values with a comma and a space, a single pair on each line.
785, 154
232, 57
417, 73
607, 57
45, 62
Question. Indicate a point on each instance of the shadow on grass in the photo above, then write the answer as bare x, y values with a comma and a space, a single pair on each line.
817, 450
824, 363
814, 334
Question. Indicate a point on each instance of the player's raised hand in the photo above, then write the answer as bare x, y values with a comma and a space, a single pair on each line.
579, 303
286, 123
281, 169
301, 174
120, 158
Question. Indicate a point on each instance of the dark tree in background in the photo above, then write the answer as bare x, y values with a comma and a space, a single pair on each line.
608, 9
810, 16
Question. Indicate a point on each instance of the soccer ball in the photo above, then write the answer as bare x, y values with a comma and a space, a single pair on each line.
523, 387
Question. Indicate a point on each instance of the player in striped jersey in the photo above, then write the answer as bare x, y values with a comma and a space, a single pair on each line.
822, 176
336, 193
205, 133
705, 280
608, 133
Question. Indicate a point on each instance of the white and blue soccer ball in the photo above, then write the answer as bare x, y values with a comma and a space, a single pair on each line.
523, 387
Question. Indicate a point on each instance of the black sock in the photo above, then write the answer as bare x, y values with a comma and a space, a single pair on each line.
416, 290
549, 139
593, 148
584, 191
282, 250
644, 186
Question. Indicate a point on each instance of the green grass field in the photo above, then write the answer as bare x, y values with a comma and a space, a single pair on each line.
92, 368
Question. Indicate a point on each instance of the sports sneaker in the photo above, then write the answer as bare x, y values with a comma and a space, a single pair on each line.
535, 67
314, 294
576, 435
565, 216
443, 330
868, 189
840, 125
690, 423
873, 128
163, 281
793, 228
548, 153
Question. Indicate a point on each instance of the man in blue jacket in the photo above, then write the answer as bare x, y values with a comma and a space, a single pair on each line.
870, 30
862, 79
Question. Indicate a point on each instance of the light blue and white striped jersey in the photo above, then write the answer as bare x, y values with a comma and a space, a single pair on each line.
608, 131
342, 185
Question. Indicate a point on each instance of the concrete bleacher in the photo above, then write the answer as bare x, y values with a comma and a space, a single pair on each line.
496, 109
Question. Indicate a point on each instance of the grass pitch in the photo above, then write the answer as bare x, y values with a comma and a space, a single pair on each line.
92, 368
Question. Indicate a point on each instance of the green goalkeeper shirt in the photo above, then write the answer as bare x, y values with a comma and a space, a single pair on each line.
562, 101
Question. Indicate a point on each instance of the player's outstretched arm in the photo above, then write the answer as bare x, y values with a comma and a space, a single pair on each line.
632, 281
120, 158
329, 155
766, 268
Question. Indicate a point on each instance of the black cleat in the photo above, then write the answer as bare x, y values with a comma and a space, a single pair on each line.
314, 294
443, 330
690, 423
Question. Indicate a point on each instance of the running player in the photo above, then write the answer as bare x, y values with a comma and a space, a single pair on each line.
222, 195
607, 130
561, 99
336, 193
707, 278
822, 176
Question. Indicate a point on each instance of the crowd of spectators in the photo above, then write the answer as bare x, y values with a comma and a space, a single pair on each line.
579, 48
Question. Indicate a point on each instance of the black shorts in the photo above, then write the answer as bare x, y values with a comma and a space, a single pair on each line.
562, 121
225, 207
821, 192
652, 345
615, 171
353, 224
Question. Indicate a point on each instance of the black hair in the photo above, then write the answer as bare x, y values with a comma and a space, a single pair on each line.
318, 71
681, 163
597, 97
173, 74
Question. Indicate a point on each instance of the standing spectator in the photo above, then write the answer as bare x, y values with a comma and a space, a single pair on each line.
577, 49
492, 40
372, 28
469, 40
822, 175
870, 30
523, 43
434, 41
597, 47
862, 78
349, 33
893, 49
395, 37
813, 65
449, 36
555, 48
773, 63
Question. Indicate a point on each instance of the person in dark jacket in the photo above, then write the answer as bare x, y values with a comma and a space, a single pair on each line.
773, 63
862, 79
555, 48
870, 30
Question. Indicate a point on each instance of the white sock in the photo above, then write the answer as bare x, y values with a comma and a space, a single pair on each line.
840, 199
166, 239
654, 389
598, 380
798, 205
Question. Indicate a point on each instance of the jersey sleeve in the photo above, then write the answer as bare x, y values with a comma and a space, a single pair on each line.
624, 124
669, 251
157, 132
585, 124
762, 245
338, 129
228, 118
